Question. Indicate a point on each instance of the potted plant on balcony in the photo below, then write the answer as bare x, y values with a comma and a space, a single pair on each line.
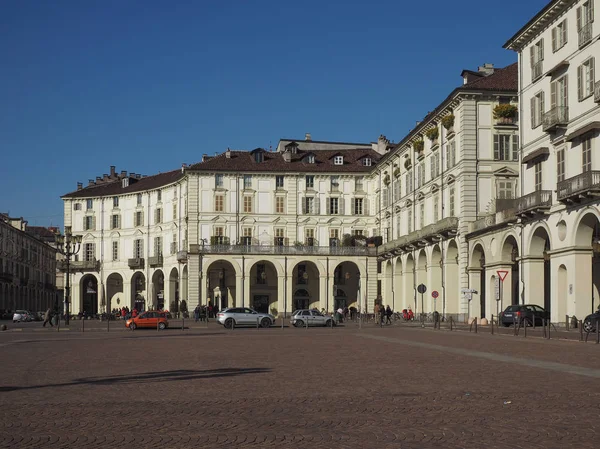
386, 178
448, 122
397, 172
505, 113
433, 134
418, 145
407, 164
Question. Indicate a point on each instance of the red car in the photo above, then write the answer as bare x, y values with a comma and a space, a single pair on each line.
150, 319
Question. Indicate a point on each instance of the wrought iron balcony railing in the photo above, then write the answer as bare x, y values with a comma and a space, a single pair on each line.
155, 261
535, 202
585, 34
78, 265
136, 262
557, 116
444, 227
578, 187
290, 250
7, 277
597, 92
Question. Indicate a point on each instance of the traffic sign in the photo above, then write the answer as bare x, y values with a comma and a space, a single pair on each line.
435, 294
497, 289
502, 274
421, 288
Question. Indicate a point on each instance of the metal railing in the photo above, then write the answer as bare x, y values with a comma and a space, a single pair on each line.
597, 92
155, 261
289, 250
483, 223
558, 115
445, 225
534, 200
78, 265
589, 180
136, 262
585, 34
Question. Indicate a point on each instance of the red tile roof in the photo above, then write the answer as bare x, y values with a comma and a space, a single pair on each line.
505, 79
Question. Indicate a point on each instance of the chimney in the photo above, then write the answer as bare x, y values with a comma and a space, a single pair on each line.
486, 69
307, 137
123, 173
132, 174
105, 177
112, 171
79, 185
90, 182
183, 167
287, 156
98, 179
228, 153
204, 157
138, 176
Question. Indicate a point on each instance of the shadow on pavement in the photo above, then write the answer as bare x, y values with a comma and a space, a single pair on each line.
158, 376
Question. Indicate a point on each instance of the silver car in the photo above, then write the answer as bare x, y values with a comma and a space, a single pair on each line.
244, 316
22, 315
304, 317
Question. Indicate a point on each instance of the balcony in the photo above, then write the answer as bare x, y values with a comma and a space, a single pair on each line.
597, 92
136, 262
535, 203
585, 34
182, 256
291, 250
556, 117
6, 277
509, 122
579, 188
155, 261
79, 265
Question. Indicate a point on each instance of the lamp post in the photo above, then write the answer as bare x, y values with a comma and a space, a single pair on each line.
68, 245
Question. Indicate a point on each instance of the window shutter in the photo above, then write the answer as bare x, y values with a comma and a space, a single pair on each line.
341, 209
141, 248
317, 206
592, 75
328, 207
564, 32
353, 206
541, 58
565, 93
365, 206
552, 94
590, 11
532, 55
580, 82
533, 112
515, 141
496, 147
304, 201
93, 251
579, 19
93, 223
85, 224
554, 32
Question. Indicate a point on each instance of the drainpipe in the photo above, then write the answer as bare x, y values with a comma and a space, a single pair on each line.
521, 175
147, 265
103, 292
243, 277
237, 216
327, 288
285, 288
443, 194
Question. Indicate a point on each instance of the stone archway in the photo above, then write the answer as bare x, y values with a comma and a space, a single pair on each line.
221, 285
306, 286
346, 281
510, 262
478, 279
421, 270
157, 294
451, 294
408, 276
539, 269
138, 291
114, 292
435, 279
89, 294
173, 295
263, 287
586, 275
398, 298
388, 290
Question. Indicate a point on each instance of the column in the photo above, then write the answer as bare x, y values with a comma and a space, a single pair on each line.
193, 281
533, 277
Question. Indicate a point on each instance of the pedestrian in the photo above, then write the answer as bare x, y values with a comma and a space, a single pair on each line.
376, 311
48, 318
197, 313
382, 315
134, 314
388, 314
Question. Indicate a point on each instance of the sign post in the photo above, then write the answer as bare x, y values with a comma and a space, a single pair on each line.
468, 295
435, 294
499, 281
422, 289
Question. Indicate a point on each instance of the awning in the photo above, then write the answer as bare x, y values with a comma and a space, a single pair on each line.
536, 154
584, 129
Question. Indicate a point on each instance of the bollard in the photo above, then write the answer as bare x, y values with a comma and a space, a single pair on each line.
257, 322
307, 323
182, 323
83, 325
524, 329
567, 322
232, 324
492, 323
476, 325
157, 328
451, 323
580, 331
282, 318
331, 323
108, 325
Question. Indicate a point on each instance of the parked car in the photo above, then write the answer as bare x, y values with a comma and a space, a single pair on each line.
302, 317
149, 319
589, 324
530, 314
22, 315
244, 316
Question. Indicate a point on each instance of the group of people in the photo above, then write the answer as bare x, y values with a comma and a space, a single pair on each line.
202, 313
383, 314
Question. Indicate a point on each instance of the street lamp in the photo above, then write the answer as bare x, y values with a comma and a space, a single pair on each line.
68, 245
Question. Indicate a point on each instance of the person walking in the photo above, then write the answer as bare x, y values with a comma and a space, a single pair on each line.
197, 313
388, 314
48, 318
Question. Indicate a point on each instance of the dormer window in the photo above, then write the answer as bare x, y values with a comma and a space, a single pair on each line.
259, 157
367, 161
310, 159
338, 160
292, 147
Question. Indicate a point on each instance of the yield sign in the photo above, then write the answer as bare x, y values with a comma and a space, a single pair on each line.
502, 274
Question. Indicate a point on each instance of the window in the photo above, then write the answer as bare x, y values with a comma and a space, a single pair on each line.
420, 174
115, 201
435, 165
174, 211
138, 218
506, 147
559, 95
359, 184
279, 201
358, 206
537, 109
451, 201
585, 79
338, 160
358, 232
174, 244
158, 246
247, 181
334, 237
279, 182
89, 204
259, 157
77, 206
247, 236
586, 154
219, 235
310, 159
367, 161
139, 199
335, 183
409, 182
560, 164
115, 221
279, 236
115, 251
247, 204
174, 193
409, 221
559, 35
385, 197
309, 236
310, 205
538, 175
505, 188
422, 214
89, 252
333, 206
218, 180
310, 182
138, 249
397, 190
585, 17
436, 208
219, 201
536, 56
451, 155
157, 216
89, 223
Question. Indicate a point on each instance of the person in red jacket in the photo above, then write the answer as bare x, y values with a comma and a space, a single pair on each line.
134, 313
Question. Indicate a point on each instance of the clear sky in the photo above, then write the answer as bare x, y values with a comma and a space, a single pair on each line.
149, 85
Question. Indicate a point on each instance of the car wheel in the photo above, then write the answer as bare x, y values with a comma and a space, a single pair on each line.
588, 326
132, 326
265, 322
299, 323
228, 323
506, 324
162, 326
328, 323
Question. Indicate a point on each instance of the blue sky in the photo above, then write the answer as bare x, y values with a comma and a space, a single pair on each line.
149, 85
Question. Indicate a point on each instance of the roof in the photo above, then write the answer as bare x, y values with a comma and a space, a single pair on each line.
555, 7
243, 162
113, 188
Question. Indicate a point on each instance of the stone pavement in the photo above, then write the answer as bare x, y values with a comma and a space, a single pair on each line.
395, 387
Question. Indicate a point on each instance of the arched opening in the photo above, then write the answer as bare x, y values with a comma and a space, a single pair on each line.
263, 287
563, 291
477, 268
387, 276
89, 294
347, 276
220, 281
305, 281
451, 282
157, 296
588, 235
138, 291
398, 300
410, 298
510, 255
435, 292
174, 291
422, 305
540, 247
114, 292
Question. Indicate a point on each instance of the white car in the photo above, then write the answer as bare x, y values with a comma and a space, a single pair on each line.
304, 317
244, 316
21, 315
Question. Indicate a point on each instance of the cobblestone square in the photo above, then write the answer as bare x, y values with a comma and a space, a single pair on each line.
393, 387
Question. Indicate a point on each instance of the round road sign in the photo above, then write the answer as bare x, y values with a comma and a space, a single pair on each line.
435, 294
421, 288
